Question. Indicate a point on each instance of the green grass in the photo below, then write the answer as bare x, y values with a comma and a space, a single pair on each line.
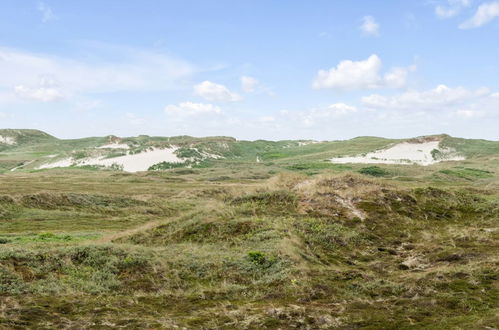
374, 171
295, 242
467, 173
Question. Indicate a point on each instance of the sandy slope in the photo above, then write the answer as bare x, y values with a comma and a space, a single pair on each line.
403, 153
7, 140
131, 162
66, 162
114, 146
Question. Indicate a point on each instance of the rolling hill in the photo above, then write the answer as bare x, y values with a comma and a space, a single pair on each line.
229, 234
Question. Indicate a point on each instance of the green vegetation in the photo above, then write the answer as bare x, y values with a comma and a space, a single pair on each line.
295, 242
467, 173
373, 171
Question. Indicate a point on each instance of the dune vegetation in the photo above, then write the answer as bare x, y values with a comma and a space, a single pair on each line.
229, 242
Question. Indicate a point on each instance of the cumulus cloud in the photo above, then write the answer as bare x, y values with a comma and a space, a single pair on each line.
451, 8
46, 11
434, 99
369, 26
191, 108
484, 14
397, 77
215, 92
136, 70
249, 84
350, 75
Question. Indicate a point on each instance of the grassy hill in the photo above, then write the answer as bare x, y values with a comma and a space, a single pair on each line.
292, 241
32, 149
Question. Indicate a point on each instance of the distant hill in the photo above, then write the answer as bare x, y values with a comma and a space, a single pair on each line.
26, 149
16, 137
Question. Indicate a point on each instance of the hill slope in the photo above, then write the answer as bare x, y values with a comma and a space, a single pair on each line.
31, 149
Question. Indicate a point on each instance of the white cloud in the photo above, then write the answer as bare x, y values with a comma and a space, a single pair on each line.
452, 8
349, 75
46, 11
215, 92
42, 94
397, 77
46, 91
484, 14
3, 115
128, 70
369, 26
191, 108
469, 113
435, 99
267, 119
249, 84
341, 108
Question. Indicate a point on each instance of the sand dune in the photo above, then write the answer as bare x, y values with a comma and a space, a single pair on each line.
130, 163
404, 153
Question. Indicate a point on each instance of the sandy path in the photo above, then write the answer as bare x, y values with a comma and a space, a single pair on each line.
129, 232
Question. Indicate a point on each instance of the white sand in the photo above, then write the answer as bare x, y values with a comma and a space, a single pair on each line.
137, 162
403, 153
66, 162
306, 143
22, 165
7, 140
114, 146
131, 163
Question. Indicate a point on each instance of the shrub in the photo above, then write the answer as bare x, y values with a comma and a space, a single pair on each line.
166, 166
260, 259
188, 153
373, 171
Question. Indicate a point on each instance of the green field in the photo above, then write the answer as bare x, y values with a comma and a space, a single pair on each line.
292, 241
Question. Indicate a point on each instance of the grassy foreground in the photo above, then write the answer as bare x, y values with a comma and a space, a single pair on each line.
288, 241
198, 249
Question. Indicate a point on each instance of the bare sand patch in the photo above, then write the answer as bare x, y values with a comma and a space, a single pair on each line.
130, 163
7, 140
137, 162
404, 153
114, 146
65, 162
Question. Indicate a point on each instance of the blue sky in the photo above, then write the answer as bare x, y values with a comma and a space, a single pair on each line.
251, 69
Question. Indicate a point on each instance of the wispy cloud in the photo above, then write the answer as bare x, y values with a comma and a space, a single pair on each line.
47, 77
437, 99
192, 108
249, 84
484, 14
369, 26
46, 11
451, 8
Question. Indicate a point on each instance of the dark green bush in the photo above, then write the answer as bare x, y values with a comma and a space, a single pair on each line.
373, 171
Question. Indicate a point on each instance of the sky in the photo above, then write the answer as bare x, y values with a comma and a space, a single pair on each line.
261, 69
